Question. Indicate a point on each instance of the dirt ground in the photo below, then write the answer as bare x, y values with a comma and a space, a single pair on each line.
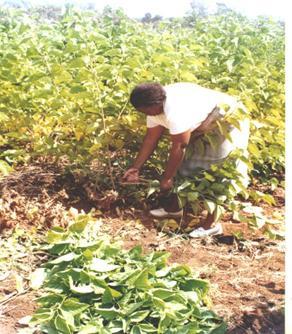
246, 274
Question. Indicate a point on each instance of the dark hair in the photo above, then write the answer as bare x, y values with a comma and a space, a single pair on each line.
147, 94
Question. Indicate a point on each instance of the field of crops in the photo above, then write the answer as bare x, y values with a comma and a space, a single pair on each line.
67, 135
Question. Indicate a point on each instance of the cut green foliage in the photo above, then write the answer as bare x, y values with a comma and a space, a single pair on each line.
104, 289
17, 258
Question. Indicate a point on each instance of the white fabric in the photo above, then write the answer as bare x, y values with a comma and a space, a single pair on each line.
187, 105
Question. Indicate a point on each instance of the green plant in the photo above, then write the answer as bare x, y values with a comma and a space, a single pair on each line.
65, 85
93, 286
64, 89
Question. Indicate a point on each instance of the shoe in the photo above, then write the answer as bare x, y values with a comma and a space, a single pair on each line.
201, 232
161, 213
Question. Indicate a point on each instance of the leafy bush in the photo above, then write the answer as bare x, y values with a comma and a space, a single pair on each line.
93, 286
65, 84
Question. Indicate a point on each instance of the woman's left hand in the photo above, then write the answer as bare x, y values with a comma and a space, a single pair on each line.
166, 184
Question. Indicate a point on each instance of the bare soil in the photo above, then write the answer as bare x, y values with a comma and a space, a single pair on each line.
246, 275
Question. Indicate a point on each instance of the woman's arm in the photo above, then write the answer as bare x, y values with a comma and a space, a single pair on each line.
176, 155
149, 144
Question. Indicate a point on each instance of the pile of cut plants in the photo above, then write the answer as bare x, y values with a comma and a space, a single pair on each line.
91, 285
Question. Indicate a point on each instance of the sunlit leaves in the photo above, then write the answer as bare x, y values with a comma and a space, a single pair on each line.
79, 66
118, 291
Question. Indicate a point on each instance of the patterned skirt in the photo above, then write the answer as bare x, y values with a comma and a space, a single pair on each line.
215, 145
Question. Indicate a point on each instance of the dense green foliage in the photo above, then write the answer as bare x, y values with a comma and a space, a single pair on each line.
65, 86
92, 286
64, 89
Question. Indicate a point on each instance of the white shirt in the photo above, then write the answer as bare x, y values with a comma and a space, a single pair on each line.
187, 105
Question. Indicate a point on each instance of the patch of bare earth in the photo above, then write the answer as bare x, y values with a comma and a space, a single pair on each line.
246, 276
14, 305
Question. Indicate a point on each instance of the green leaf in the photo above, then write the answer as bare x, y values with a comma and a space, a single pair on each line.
68, 316
74, 306
195, 207
188, 77
253, 149
181, 270
269, 199
151, 191
224, 130
65, 258
130, 308
194, 284
56, 234
162, 293
3, 118
89, 329
142, 280
221, 329
63, 76
77, 63
81, 222
115, 327
192, 295
107, 297
210, 206
136, 330
260, 221
229, 65
107, 313
219, 211
43, 93
148, 328
60, 248
77, 89
192, 196
173, 307
5, 168
50, 299
139, 316
80, 289
102, 266
61, 325
136, 252
163, 272
183, 186
42, 315
159, 257
37, 278
209, 177
88, 254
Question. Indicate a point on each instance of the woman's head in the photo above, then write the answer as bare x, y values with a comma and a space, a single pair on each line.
148, 98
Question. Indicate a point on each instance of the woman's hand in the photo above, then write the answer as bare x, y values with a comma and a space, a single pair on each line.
166, 184
131, 175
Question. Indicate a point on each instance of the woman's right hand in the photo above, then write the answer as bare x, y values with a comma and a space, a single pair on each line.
131, 175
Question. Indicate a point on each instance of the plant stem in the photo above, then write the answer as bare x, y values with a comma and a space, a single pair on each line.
122, 110
108, 157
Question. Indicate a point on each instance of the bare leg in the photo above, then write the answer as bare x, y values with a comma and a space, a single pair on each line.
169, 202
208, 221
